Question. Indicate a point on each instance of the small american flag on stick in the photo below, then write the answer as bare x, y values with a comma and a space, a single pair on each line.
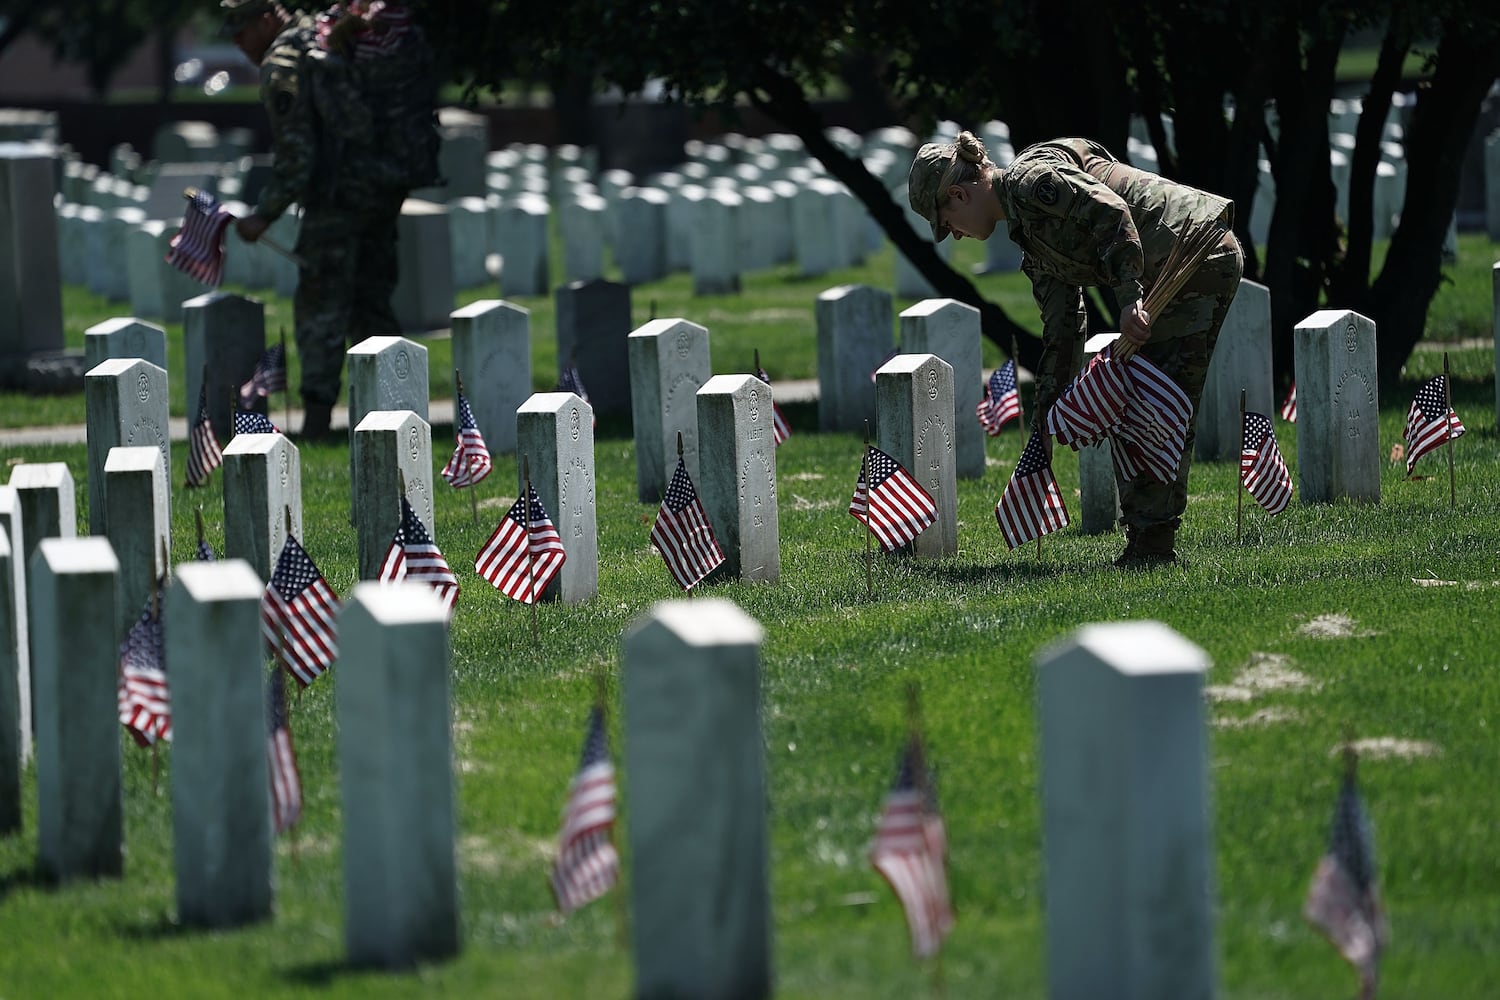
1289, 405
1002, 400
910, 851
471, 461
890, 502
144, 696
1031, 506
204, 455
682, 533
299, 610
587, 863
286, 780
780, 429
413, 555
525, 551
1262, 469
198, 248
1431, 421
250, 422
269, 376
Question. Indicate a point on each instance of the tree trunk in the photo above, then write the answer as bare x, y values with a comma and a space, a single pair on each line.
1441, 127
784, 100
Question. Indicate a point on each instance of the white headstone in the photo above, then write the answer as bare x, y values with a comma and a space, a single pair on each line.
1125, 814
389, 446
30, 285
492, 351
262, 481
221, 827
114, 245
951, 330
695, 752
669, 362
523, 240
1495, 322
48, 508
555, 440
15, 645
854, 338
914, 406
142, 270
396, 777
714, 243
583, 222
593, 324
15, 720
641, 249
1338, 407
737, 475
125, 402
423, 296
469, 229
80, 828
125, 337
1241, 360
223, 335
816, 228
138, 525
1098, 487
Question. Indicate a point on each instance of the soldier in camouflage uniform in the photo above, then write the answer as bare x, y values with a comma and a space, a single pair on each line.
1081, 217
347, 239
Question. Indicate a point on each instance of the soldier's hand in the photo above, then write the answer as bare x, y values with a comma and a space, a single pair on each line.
251, 227
1135, 324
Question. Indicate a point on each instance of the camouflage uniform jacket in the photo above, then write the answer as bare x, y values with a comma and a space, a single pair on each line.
1081, 217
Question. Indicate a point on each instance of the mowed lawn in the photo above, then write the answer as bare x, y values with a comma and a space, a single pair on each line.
1379, 620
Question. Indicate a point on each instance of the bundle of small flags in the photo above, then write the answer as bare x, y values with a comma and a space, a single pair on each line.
525, 551
890, 502
1134, 405
198, 248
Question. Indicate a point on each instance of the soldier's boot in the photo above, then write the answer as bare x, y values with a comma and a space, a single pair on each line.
317, 422
1148, 547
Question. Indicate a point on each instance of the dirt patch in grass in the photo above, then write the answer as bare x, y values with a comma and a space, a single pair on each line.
1260, 717
1334, 627
1390, 748
1262, 674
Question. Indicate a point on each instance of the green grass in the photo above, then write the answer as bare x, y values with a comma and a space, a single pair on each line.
835, 665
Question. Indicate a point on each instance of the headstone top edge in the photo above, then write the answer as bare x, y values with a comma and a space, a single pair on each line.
907, 364
485, 306
117, 323
387, 420
930, 307
375, 345
143, 458
1329, 317
85, 554
115, 367
255, 444
657, 327
224, 580
713, 621
1130, 648
726, 385
404, 603
552, 402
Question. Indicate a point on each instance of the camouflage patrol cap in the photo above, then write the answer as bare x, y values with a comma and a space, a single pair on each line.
238, 13
929, 176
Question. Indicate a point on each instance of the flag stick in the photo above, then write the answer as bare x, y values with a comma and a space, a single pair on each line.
1239, 489
287, 389
1184, 259
291, 831
161, 581
270, 244
1020, 410
864, 474
198, 520
689, 588
1448, 430
530, 555
280, 659
458, 385
622, 914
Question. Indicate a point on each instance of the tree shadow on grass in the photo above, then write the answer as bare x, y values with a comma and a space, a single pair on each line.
1007, 571
29, 877
326, 973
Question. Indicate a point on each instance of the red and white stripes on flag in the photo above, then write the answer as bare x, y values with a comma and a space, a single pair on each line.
145, 700
286, 780
780, 429
1135, 405
413, 555
524, 553
1430, 421
198, 248
1002, 400
471, 461
587, 863
890, 502
1262, 469
269, 376
911, 850
682, 533
1031, 505
1343, 900
204, 455
1289, 405
300, 607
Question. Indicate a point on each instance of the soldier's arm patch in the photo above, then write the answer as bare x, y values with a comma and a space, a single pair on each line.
1046, 192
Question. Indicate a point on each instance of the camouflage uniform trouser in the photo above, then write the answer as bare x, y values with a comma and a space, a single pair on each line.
344, 291
1181, 344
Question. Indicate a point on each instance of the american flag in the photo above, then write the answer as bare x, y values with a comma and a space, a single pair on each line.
269, 376
1430, 421
286, 781
413, 555
571, 381
524, 553
250, 422
144, 697
1343, 900
198, 248
780, 429
587, 863
205, 551
300, 606
682, 533
1002, 400
889, 501
1262, 470
910, 851
1134, 404
1031, 506
471, 458
204, 455
1289, 405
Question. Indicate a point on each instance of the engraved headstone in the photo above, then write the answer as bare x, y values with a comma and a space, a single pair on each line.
914, 404
225, 334
1098, 487
80, 829
221, 827
31, 318
555, 436
695, 752
1125, 814
737, 474
1241, 360
390, 446
951, 330
669, 362
125, 337
387, 373
137, 524
396, 777
125, 401
593, 322
262, 480
492, 352
1338, 407
854, 338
